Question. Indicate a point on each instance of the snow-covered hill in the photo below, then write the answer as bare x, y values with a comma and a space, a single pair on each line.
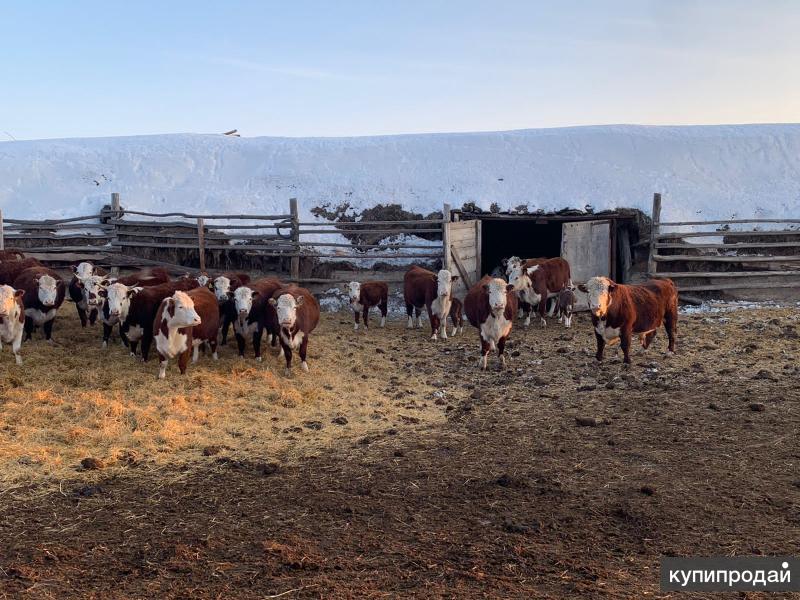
709, 172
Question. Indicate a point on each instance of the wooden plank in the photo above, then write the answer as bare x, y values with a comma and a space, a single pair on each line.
370, 246
729, 222
208, 246
366, 256
717, 274
45, 227
61, 249
737, 286
731, 245
447, 228
52, 222
734, 259
2, 233
370, 231
681, 234
208, 236
294, 265
627, 259
371, 223
652, 266
207, 217
461, 269
201, 242
190, 225
478, 250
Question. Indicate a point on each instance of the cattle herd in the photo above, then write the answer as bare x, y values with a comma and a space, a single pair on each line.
192, 312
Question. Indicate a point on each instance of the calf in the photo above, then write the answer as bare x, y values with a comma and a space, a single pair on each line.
364, 296
223, 287
434, 291
9, 271
12, 319
537, 283
565, 305
144, 304
174, 322
254, 314
44, 293
298, 314
490, 306
457, 315
621, 311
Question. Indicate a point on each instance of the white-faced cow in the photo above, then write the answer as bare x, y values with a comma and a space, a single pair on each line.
490, 306
223, 287
173, 324
457, 315
12, 319
115, 308
81, 272
298, 314
537, 283
255, 314
44, 294
622, 311
434, 291
364, 296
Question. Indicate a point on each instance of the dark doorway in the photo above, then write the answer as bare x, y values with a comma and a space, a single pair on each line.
525, 238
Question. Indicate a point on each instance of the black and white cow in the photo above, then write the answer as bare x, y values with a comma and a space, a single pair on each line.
115, 308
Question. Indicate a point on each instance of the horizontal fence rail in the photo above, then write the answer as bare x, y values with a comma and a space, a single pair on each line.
770, 249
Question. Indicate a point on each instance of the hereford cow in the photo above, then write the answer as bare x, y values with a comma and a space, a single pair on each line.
364, 296
621, 311
537, 283
490, 306
434, 291
255, 314
174, 322
81, 272
298, 314
510, 265
144, 304
10, 270
223, 287
44, 293
12, 319
90, 303
10, 255
457, 315
565, 306
114, 311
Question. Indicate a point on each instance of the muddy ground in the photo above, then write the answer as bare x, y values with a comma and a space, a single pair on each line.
470, 484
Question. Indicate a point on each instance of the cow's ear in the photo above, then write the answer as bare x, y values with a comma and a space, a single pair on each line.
74, 268
105, 282
273, 302
531, 270
582, 287
36, 281
78, 284
612, 286
229, 294
485, 287
509, 288
504, 262
454, 278
102, 292
133, 291
255, 293
19, 293
299, 301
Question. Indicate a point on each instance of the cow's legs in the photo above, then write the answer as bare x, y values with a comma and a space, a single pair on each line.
81, 315
568, 320
601, 345
647, 339
257, 342
147, 339
48, 329
93, 316
15, 346
287, 353
543, 310
418, 312
625, 342
240, 343
195, 352
671, 325
553, 303
435, 324
183, 360
162, 366
356, 317
106, 334
485, 349
212, 343
384, 308
365, 315
410, 312
226, 323
501, 346
28, 328
302, 352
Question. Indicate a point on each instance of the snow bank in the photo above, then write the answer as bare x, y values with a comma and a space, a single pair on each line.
703, 172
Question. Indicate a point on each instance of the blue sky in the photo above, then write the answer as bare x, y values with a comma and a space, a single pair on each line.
85, 68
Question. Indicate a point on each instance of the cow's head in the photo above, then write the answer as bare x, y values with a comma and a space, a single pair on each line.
521, 277
444, 282
91, 287
118, 299
286, 306
83, 270
203, 279
8, 300
47, 287
510, 263
354, 291
179, 311
243, 297
600, 291
223, 289
497, 290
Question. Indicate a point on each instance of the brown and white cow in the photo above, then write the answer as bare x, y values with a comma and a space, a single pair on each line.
223, 287
298, 315
622, 311
565, 305
12, 319
174, 321
457, 315
10, 270
433, 291
10, 255
537, 283
491, 305
255, 314
364, 296
44, 293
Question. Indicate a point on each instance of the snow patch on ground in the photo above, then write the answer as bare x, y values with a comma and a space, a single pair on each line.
714, 307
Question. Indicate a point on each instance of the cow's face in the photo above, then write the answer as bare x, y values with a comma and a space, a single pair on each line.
47, 289
91, 290
243, 298
222, 289
8, 300
286, 307
497, 290
180, 312
599, 290
83, 270
444, 282
354, 291
511, 263
118, 297
522, 278
203, 279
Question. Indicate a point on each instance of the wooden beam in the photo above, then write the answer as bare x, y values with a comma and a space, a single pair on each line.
446, 237
201, 242
464, 275
2, 234
717, 274
655, 215
731, 245
294, 263
731, 259
688, 234
728, 222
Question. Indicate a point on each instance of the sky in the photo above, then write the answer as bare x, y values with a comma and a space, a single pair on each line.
349, 68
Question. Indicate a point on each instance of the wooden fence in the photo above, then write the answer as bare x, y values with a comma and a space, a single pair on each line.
737, 261
122, 237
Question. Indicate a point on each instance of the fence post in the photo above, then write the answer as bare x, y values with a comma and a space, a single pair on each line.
115, 214
446, 236
2, 238
294, 273
652, 265
201, 242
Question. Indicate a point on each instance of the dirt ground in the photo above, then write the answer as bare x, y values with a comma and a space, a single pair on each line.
396, 468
